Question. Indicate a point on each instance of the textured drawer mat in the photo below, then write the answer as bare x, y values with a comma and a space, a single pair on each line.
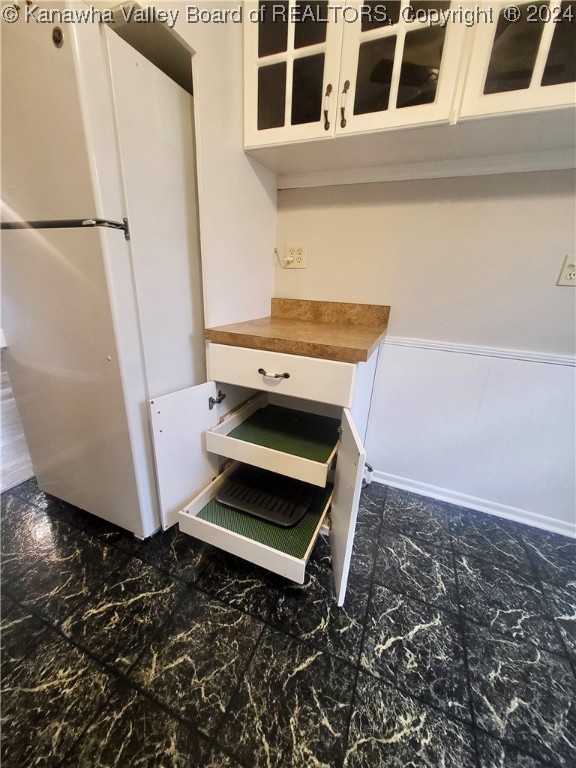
291, 541
300, 434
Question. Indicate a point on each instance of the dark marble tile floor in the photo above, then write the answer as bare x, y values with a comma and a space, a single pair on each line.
456, 646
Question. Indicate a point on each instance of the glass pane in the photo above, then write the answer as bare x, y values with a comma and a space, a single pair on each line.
420, 66
271, 96
375, 63
513, 54
272, 28
310, 23
308, 76
561, 63
375, 14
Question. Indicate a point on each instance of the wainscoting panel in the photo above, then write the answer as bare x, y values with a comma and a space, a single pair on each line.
490, 429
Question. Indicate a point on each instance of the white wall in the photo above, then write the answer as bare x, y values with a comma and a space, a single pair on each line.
469, 260
474, 395
237, 196
485, 432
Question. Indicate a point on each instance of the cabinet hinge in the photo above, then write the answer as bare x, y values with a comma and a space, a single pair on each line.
212, 401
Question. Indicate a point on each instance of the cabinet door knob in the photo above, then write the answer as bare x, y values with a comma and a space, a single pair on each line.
273, 375
326, 97
343, 104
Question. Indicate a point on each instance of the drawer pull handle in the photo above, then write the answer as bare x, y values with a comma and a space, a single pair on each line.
273, 375
343, 104
326, 98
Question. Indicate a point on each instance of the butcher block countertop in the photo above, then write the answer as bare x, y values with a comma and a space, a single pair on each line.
324, 329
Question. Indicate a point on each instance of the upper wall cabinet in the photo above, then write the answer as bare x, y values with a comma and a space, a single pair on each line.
524, 60
398, 65
322, 70
291, 65
317, 69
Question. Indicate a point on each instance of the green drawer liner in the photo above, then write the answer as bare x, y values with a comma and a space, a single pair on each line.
291, 541
300, 434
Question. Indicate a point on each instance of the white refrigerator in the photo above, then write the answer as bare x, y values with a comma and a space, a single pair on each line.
96, 324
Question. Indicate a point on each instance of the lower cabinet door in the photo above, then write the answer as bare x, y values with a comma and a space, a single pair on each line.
178, 422
284, 551
347, 488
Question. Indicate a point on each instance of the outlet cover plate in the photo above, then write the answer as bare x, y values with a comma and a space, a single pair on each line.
296, 256
568, 273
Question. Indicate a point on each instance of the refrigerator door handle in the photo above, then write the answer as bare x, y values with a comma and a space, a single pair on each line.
68, 224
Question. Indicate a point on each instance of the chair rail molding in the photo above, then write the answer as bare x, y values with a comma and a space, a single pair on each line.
473, 349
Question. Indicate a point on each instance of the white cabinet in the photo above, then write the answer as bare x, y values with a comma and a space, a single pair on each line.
291, 72
436, 67
319, 70
316, 443
524, 60
398, 66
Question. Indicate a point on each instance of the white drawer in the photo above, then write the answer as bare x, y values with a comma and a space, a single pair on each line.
283, 440
324, 381
282, 551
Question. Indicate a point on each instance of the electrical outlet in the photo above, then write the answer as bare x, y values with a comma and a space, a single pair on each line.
296, 257
568, 273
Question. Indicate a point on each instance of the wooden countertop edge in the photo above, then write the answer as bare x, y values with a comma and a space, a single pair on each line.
345, 353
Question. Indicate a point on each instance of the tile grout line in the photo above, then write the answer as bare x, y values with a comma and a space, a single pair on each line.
532, 639
218, 729
540, 582
478, 729
450, 548
464, 646
269, 625
121, 677
116, 677
452, 716
364, 630
36, 612
541, 762
452, 611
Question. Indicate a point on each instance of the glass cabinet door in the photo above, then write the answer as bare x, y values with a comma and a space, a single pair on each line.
523, 58
399, 64
291, 61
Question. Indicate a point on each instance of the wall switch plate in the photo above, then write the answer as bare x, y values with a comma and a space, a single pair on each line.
296, 257
568, 273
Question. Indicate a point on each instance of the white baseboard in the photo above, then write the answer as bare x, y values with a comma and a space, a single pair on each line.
2, 339
472, 502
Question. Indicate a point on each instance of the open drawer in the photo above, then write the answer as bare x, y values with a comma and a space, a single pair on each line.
294, 443
281, 550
